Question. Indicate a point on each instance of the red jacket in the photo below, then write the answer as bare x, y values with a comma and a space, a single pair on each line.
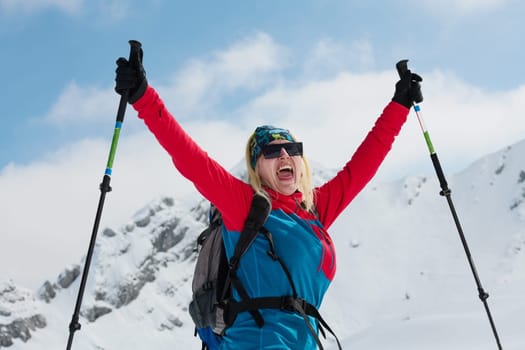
300, 238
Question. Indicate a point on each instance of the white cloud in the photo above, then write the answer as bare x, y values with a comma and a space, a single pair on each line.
48, 207
78, 104
115, 9
472, 122
330, 56
31, 6
247, 64
333, 116
244, 63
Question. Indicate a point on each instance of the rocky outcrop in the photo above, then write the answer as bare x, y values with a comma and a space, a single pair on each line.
19, 314
49, 290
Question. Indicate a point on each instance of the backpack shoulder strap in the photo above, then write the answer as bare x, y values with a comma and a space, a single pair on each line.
259, 211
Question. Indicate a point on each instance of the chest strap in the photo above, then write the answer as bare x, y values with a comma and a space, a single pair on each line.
284, 303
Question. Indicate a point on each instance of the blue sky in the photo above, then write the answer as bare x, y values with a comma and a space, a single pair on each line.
324, 69
49, 44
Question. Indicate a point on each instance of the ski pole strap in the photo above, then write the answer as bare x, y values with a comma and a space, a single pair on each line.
284, 303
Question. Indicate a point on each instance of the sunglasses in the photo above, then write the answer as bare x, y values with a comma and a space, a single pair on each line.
274, 150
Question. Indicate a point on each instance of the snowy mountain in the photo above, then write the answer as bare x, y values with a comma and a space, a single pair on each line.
403, 279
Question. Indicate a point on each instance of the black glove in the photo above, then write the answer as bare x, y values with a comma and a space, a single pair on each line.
408, 89
131, 76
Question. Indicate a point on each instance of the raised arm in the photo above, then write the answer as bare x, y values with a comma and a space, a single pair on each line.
229, 194
335, 195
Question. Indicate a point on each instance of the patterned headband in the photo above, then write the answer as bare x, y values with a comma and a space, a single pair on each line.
262, 136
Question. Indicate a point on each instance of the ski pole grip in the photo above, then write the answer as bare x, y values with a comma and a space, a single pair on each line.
402, 67
134, 50
135, 47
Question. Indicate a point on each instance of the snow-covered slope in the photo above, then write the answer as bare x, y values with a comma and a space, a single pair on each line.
403, 271
403, 279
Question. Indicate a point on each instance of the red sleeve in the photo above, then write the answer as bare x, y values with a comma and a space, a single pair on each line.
229, 194
335, 195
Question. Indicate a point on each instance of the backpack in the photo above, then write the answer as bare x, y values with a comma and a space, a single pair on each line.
212, 307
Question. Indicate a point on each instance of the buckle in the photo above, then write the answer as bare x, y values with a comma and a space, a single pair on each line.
293, 304
302, 303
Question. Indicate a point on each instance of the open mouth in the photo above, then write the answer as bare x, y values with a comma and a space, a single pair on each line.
285, 172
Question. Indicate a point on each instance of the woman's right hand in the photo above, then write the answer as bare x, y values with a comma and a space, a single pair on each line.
130, 75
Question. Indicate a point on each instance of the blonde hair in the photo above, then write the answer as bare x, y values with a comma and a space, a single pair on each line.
305, 182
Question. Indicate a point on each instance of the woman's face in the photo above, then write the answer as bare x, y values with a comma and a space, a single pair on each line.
283, 173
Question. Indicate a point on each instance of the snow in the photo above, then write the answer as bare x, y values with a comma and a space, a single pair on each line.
403, 279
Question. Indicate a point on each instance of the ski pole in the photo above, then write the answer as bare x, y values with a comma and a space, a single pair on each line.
104, 189
402, 68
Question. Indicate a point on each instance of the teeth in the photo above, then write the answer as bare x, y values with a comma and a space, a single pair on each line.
285, 167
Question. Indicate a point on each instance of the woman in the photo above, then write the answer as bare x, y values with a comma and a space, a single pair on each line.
300, 214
